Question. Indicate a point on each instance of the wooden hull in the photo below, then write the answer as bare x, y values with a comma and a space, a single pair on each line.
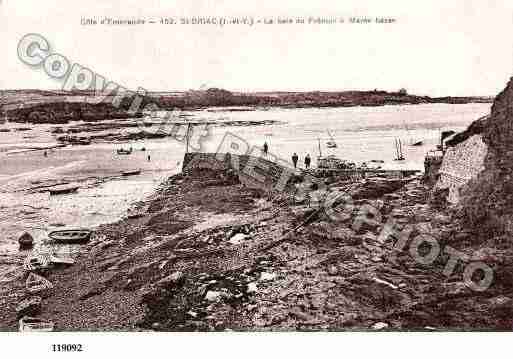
36, 264
29, 324
37, 285
122, 152
26, 243
71, 236
54, 192
131, 173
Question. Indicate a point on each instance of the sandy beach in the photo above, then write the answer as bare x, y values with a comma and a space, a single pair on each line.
105, 196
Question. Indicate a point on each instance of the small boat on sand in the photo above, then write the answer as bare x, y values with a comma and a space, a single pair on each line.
61, 261
131, 173
71, 235
124, 152
36, 263
63, 190
331, 143
30, 324
26, 241
37, 285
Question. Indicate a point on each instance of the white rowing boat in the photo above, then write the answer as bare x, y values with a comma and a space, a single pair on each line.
71, 235
30, 324
36, 263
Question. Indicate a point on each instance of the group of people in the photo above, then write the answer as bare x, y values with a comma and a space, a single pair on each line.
295, 157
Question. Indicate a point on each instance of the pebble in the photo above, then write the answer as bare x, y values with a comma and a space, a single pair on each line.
332, 270
170, 279
265, 276
379, 326
238, 238
213, 296
252, 287
192, 313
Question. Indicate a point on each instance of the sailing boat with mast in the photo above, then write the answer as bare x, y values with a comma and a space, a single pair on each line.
331, 143
398, 150
413, 142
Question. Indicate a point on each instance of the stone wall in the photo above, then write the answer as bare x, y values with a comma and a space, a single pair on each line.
253, 172
460, 164
488, 202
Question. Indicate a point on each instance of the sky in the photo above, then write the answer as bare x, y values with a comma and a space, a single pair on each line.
434, 48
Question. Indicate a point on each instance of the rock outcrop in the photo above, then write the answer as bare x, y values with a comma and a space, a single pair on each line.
488, 202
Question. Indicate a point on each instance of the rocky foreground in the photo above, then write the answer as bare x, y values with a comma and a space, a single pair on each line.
206, 253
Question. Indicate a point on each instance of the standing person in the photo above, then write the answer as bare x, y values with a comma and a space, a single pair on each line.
307, 161
294, 159
266, 148
149, 158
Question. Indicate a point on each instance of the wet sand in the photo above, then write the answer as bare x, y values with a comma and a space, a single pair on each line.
178, 267
104, 196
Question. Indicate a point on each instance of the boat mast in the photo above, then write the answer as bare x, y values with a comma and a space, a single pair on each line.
187, 138
320, 152
331, 136
440, 137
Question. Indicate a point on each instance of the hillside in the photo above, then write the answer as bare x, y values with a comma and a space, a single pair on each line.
36, 106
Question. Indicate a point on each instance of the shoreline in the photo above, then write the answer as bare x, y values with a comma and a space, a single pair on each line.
100, 200
48, 107
210, 254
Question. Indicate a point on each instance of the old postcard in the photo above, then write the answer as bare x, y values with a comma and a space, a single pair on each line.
254, 166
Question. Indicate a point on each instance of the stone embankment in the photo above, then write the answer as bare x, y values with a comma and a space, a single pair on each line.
488, 202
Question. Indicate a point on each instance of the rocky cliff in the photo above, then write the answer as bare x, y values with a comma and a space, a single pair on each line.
488, 203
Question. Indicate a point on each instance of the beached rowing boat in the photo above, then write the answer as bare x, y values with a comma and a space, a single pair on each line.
131, 173
61, 261
37, 285
26, 241
63, 190
71, 235
124, 152
36, 263
30, 324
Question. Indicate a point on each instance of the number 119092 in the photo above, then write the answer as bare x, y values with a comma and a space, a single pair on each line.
67, 347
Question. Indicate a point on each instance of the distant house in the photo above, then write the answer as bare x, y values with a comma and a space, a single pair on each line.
403, 92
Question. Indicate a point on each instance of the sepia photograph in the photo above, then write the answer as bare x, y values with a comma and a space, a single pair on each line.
269, 171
